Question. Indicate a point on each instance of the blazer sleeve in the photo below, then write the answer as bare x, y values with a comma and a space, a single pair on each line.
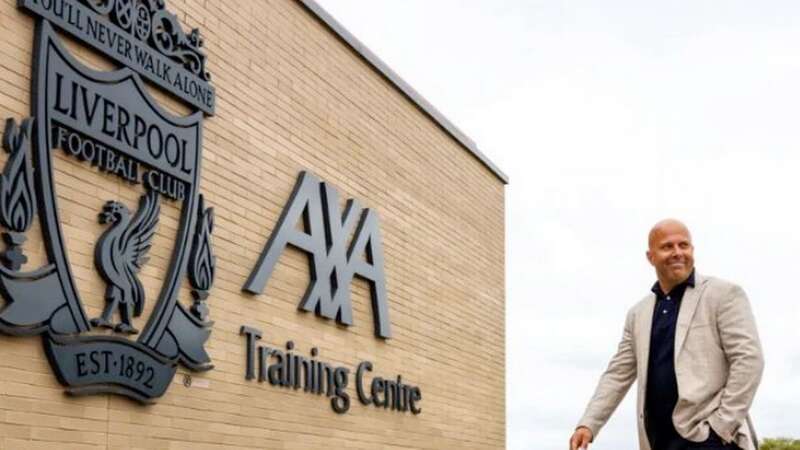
739, 338
614, 383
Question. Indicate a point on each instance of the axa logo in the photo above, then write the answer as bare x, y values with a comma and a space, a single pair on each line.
333, 263
109, 122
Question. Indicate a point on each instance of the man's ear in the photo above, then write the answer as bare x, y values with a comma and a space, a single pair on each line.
649, 256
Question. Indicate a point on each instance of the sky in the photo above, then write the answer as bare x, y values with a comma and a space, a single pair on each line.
608, 116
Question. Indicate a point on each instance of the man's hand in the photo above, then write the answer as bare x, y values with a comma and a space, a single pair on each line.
580, 439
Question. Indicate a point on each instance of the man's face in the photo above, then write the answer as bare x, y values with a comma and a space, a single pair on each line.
671, 253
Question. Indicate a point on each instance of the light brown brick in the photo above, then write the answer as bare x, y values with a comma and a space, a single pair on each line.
290, 97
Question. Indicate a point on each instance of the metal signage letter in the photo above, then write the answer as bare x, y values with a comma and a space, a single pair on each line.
333, 264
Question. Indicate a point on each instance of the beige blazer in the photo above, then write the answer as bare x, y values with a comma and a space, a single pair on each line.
718, 365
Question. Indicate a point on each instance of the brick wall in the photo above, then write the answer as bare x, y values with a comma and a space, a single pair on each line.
290, 96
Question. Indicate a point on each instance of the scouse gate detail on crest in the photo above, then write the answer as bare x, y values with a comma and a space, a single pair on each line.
111, 123
139, 34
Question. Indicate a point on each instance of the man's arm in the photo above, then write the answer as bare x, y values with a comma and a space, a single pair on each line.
614, 383
739, 337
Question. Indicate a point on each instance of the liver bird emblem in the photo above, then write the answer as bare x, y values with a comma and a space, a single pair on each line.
120, 254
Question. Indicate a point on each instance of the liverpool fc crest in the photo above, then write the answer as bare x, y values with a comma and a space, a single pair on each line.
109, 122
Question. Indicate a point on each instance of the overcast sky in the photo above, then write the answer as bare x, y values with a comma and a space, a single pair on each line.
608, 116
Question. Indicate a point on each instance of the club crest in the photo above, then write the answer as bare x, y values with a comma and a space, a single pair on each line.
109, 122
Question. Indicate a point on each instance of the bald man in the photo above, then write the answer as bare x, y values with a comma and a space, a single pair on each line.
693, 346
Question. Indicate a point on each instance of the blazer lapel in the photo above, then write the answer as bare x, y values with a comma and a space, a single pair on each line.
644, 325
688, 307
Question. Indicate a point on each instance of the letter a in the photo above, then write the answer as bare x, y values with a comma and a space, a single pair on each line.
304, 203
367, 242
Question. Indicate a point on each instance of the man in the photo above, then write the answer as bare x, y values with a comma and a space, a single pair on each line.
693, 345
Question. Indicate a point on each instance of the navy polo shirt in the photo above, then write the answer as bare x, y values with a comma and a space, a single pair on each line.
662, 386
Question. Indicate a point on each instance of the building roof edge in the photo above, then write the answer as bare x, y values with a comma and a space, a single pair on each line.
400, 84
